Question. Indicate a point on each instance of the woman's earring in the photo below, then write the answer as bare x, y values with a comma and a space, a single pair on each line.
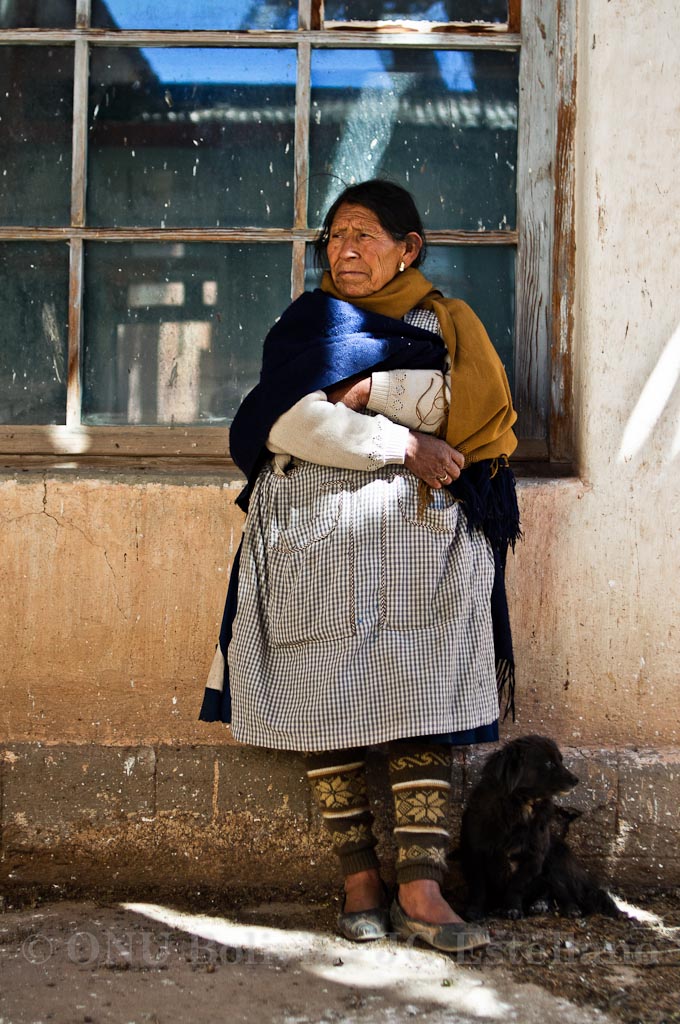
402, 267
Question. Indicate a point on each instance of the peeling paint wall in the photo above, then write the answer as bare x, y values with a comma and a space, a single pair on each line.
113, 584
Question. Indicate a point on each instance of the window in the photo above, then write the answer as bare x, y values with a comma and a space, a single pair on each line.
167, 163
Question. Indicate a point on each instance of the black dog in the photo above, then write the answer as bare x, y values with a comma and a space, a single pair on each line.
513, 851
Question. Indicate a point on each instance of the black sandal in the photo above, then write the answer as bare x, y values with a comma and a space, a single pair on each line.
450, 938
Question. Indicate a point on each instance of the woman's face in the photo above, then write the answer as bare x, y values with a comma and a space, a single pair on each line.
362, 255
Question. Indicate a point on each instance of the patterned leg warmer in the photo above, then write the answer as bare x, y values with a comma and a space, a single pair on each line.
338, 781
420, 776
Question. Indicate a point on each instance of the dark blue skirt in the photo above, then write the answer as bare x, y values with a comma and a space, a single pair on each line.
480, 734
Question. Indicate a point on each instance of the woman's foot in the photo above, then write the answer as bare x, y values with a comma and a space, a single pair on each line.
423, 901
421, 912
364, 890
364, 916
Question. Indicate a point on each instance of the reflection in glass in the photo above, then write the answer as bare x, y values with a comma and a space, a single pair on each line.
218, 15
186, 137
36, 107
34, 332
483, 276
37, 13
173, 331
416, 10
443, 123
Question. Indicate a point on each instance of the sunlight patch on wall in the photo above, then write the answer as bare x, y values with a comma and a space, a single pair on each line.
653, 400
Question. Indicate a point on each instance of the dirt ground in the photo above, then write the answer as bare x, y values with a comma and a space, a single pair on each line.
266, 955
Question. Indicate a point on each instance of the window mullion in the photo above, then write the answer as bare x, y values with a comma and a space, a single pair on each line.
83, 13
75, 306
297, 276
78, 187
304, 15
302, 109
79, 155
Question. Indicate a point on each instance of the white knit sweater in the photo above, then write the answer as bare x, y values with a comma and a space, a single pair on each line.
316, 430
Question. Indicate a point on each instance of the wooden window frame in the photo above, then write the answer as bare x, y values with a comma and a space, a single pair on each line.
543, 32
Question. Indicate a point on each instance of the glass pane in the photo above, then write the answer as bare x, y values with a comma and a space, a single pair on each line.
37, 13
441, 122
183, 137
217, 15
36, 109
33, 332
173, 332
416, 10
484, 276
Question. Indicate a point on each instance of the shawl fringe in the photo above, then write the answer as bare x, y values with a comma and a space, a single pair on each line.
505, 681
488, 495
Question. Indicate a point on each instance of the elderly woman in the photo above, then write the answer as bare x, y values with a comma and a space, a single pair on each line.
380, 506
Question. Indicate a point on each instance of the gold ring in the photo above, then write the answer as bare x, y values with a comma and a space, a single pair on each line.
443, 479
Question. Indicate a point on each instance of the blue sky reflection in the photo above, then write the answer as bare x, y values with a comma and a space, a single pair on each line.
357, 69
193, 66
188, 66
202, 15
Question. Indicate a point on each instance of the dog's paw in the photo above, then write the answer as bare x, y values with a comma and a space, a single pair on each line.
539, 907
607, 906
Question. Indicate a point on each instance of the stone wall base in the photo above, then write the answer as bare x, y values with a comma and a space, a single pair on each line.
170, 817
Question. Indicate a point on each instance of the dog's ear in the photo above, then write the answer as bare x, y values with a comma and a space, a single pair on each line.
508, 767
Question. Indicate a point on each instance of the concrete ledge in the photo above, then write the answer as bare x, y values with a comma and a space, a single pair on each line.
233, 815
49, 793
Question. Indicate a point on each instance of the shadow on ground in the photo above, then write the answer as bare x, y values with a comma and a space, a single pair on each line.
268, 955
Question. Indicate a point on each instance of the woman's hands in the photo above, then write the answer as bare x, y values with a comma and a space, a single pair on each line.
428, 457
432, 459
354, 393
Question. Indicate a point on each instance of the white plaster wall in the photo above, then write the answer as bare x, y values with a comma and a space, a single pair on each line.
598, 635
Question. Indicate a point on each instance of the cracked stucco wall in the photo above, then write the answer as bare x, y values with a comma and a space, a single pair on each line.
114, 587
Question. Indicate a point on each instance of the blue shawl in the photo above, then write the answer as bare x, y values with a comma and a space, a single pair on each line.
320, 341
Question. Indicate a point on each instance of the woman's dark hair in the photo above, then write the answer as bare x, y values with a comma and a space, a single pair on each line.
393, 206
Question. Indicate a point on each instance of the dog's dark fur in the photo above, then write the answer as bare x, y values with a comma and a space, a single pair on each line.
513, 851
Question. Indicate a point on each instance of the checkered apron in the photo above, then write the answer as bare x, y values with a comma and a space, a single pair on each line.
359, 622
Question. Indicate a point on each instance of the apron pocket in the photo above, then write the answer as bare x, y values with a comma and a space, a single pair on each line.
429, 562
310, 563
